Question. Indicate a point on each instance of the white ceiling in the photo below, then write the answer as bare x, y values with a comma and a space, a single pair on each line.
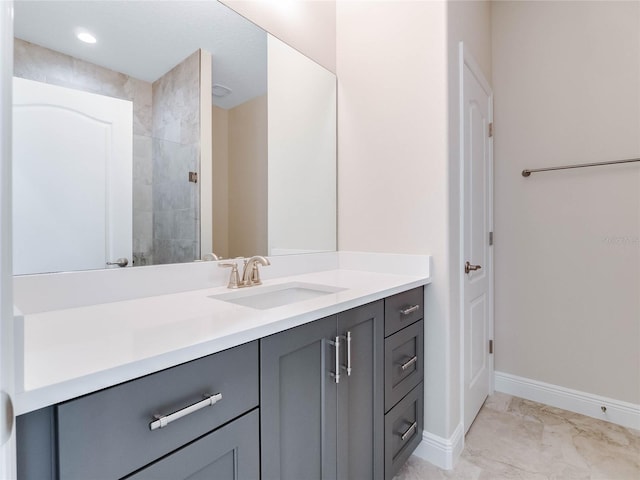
146, 39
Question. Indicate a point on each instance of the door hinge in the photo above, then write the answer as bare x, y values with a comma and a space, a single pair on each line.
491, 130
490, 238
193, 177
490, 346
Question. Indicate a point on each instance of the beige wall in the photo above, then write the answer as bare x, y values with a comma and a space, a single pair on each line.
391, 142
567, 77
220, 134
248, 178
308, 26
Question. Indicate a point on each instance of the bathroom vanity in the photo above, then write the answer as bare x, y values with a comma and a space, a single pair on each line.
332, 389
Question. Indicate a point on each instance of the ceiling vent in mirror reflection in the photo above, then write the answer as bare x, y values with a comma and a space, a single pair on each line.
220, 90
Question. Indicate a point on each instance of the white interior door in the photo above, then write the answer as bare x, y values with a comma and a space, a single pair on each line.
72, 178
477, 223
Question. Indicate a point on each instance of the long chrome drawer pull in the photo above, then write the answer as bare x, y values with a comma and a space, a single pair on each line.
164, 420
410, 310
409, 363
409, 430
348, 354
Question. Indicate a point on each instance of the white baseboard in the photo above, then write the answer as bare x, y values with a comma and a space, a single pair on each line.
442, 452
618, 412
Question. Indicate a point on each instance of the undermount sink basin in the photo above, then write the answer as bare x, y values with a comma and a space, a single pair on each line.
264, 298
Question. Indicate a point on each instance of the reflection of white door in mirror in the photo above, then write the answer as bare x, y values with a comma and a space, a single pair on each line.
72, 194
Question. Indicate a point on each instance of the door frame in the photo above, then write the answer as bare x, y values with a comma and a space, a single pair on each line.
7, 431
466, 59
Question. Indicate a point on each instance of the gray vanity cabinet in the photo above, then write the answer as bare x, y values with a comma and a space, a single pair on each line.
340, 398
316, 424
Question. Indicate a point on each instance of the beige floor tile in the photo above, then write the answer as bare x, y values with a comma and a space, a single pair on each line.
514, 438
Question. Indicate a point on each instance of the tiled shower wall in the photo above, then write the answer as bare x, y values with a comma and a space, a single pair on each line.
34, 62
176, 152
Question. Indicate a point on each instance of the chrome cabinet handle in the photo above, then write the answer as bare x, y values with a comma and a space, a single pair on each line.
409, 430
162, 421
410, 362
410, 310
348, 354
336, 344
121, 262
471, 268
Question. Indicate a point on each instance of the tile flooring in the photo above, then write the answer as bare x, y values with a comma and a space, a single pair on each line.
514, 438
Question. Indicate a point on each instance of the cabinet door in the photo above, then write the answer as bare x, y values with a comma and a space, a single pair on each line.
298, 403
361, 393
229, 453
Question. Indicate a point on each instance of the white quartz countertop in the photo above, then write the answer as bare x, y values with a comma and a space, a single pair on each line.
71, 352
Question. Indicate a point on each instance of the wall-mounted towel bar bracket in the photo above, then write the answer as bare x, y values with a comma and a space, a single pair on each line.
527, 173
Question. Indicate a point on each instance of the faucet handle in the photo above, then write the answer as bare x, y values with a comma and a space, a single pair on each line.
255, 275
234, 278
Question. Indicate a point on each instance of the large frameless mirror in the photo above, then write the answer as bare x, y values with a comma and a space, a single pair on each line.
165, 132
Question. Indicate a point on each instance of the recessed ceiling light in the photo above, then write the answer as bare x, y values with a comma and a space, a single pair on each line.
86, 37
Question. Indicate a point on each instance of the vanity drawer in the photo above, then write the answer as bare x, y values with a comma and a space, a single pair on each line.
403, 431
402, 310
108, 435
404, 363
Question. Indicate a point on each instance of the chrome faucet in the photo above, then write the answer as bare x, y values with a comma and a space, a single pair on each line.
250, 273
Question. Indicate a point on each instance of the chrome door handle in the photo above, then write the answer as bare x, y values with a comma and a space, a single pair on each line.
347, 340
162, 421
471, 268
121, 262
410, 362
410, 310
336, 344
348, 354
409, 430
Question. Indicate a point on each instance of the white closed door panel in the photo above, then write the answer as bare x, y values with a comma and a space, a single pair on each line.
477, 276
72, 161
